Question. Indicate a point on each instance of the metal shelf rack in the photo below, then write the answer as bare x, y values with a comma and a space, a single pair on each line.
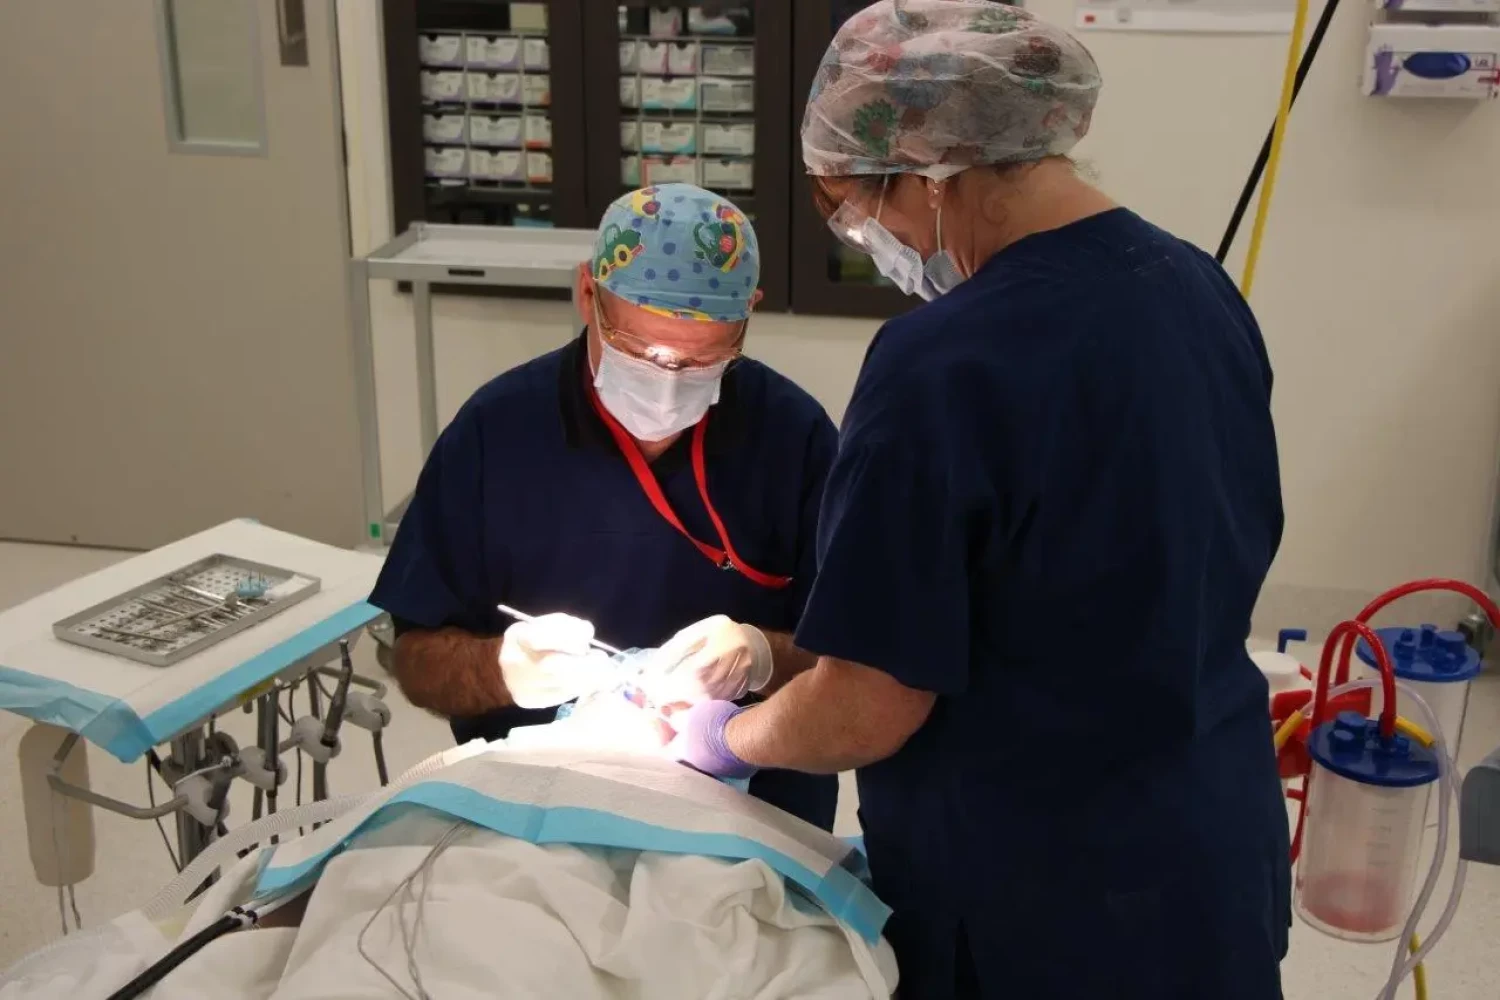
425, 255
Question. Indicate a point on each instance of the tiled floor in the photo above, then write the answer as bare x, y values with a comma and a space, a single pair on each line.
132, 861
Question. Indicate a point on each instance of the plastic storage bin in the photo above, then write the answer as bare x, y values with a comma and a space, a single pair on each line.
441, 128
494, 52
444, 85
1366, 805
441, 50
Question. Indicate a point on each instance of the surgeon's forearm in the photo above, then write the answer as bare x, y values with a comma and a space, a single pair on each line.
835, 717
451, 672
788, 661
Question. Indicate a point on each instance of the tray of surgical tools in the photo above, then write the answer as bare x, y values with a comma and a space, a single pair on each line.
175, 616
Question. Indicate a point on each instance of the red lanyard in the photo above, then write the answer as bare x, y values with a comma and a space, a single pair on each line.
725, 558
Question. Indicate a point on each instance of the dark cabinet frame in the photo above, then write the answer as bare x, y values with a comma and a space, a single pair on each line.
813, 291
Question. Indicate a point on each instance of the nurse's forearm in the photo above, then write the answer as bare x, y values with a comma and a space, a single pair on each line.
451, 672
834, 717
788, 661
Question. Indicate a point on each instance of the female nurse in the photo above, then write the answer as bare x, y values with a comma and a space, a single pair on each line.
1055, 501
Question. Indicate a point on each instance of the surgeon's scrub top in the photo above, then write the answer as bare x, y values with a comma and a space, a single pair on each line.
1055, 501
528, 501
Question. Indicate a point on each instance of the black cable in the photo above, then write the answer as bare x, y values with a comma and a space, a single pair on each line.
1253, 181
379, 746
291, 706
153, 975
321, 689
153, 762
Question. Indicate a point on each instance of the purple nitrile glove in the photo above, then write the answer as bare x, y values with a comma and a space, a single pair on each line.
700, 741
1386, 70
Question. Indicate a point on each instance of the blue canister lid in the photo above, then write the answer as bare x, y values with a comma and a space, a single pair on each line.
1425, 655
1351, 746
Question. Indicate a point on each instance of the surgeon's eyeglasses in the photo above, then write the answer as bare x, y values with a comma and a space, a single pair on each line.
666, 358
848, 221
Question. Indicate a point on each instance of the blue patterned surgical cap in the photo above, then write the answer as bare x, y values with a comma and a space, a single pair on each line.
678, 250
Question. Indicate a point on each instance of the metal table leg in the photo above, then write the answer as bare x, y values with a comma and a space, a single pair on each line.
365, 401
187, 757
427, 409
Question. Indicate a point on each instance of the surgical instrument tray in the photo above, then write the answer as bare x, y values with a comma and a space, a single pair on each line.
168, 619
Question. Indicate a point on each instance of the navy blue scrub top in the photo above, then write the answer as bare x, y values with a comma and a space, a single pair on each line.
1055, 501
526, 500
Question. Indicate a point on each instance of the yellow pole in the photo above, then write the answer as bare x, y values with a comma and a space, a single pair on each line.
1278, 135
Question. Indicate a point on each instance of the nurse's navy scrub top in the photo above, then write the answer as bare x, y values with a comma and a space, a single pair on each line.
1055, 501
527, 500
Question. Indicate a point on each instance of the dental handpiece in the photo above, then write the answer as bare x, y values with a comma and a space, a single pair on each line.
522, 616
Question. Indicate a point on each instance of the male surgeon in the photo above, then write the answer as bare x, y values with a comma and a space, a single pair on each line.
647, 482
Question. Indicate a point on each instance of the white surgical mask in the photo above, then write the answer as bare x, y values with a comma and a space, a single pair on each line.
901, 264
650, 402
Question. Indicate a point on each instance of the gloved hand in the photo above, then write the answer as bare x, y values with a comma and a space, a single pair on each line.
548, 661
700, 741
717, 659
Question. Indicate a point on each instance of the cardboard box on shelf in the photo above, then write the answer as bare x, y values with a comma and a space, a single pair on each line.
664, 170
529, 17
728, 174
728, 60
727, 94
669, 137
737, 139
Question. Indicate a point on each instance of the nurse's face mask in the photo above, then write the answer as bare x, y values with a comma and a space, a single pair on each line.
656, 391
902, 265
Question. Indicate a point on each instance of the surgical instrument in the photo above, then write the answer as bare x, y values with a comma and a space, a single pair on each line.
521, 616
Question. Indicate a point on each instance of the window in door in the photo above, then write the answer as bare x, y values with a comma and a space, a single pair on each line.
211, 76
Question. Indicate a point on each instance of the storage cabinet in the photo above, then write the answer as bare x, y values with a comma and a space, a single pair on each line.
541, 114
486, 112
695, 93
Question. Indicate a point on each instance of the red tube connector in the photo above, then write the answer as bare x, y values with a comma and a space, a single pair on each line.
1343, 637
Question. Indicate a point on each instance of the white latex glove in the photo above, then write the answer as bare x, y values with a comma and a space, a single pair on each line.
549, 661
718, 659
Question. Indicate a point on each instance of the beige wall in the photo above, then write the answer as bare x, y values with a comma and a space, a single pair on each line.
1379, 292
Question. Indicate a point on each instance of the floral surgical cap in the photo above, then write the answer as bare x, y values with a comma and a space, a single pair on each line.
934, 87
680, 251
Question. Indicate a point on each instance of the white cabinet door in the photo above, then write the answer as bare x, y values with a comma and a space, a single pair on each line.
174, 327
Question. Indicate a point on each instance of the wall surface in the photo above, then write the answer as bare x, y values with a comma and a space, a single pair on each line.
1379, 291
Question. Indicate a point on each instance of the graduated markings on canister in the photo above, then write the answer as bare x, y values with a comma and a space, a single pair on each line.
1367, 801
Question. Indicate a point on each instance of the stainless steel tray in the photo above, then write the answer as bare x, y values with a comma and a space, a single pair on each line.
173, 617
